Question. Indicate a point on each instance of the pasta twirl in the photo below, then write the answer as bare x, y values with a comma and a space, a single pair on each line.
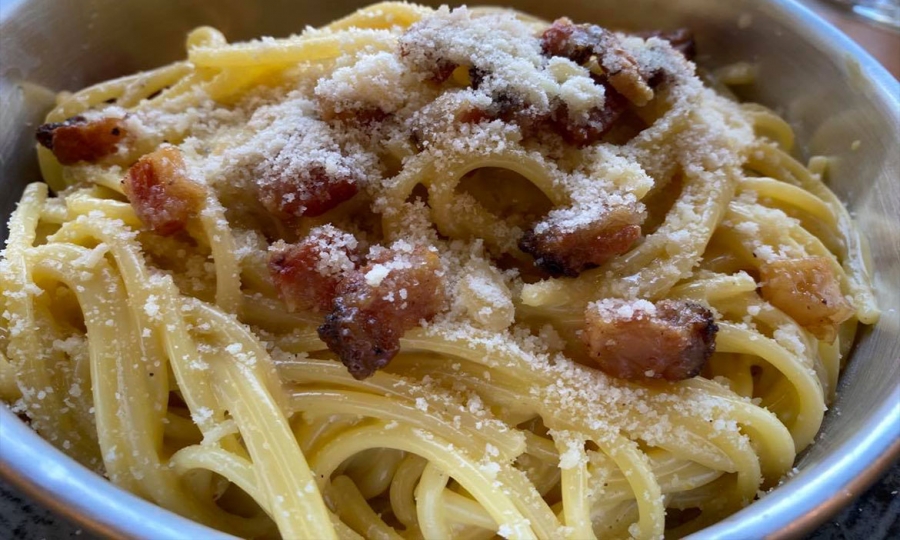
503, 228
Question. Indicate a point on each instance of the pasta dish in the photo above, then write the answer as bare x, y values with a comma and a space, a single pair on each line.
453, 273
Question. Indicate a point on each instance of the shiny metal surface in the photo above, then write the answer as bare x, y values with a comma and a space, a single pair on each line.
830, 90
885, 12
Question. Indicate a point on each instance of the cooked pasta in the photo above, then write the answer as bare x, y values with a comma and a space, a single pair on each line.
429, 274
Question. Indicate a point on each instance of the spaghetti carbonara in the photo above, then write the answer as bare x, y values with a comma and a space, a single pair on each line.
429, 274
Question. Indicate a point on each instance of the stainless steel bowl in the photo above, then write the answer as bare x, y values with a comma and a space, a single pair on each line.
830, 90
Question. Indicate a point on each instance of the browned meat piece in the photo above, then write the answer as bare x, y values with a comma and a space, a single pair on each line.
162, 195
470, 116
570, 253
579, 42
681, 39
477, 76
311, 194
76, 139
635, 339
440, 68
807, 291
578, 133
377, 304
510, 109
575, 42
307, 273
443, 69
600, 120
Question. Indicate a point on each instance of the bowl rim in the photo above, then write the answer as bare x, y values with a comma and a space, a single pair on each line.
58, 482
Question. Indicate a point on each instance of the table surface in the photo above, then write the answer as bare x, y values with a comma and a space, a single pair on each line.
875, 516
882, 43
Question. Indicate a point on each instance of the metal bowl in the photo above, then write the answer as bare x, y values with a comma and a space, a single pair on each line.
829, 89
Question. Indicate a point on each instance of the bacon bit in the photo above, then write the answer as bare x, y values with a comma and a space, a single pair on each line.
575, 42
622, 81
570, 253
472, 115
306, 274
513, 110
477, 76
599, 122
377, 304
162, 195
579, 42
443, 70
638, 340
76, 139
440, 68
580, 133
505, 107
681, 39
312, 194
807, 291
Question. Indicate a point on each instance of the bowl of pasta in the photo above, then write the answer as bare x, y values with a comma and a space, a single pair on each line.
581, 270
